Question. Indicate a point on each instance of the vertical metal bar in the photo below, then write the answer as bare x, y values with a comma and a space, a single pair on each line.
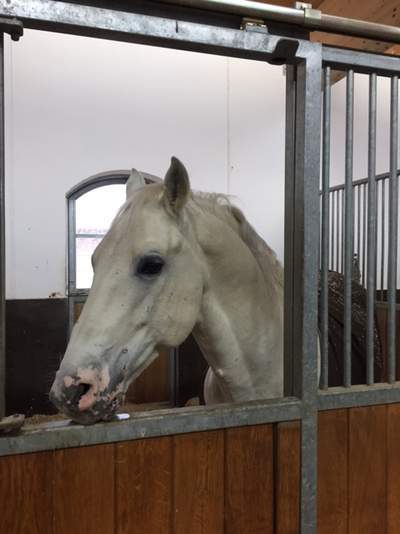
343, 236
332, 230
326, 140
338, 231
393, 222
305, 268
290, 142
358, 196
2, 242
364, 230
372, 229
383, 234
349, 227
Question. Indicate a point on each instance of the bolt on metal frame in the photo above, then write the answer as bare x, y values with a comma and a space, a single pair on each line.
305, 63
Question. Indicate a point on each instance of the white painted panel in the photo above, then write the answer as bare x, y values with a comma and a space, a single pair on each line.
257, 145
80, 106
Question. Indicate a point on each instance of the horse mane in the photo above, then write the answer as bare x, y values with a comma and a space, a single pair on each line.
220, 205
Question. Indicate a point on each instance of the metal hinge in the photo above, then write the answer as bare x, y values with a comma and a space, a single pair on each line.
254, 25
13, 27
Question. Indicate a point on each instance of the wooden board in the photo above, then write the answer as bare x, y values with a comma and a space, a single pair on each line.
84, 490
287, 489
144, 486
26, 494
367, 470
333, 469
393, 469
249, 480
199, 483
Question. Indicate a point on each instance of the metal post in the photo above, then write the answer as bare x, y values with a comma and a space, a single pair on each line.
325, 225
393, 222
304, 262
349, 228
371, 248
2, 242
290, 132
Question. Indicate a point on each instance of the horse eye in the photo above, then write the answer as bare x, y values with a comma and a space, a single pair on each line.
150, 266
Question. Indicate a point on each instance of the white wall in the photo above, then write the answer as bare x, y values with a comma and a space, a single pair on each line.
78, 106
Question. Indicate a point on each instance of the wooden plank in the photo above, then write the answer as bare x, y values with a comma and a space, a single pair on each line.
26, 494
84, 490
199, 483
382, 11
287, 494
153, 385
144, 486
332, 472
249, 480
367, 469
393, 469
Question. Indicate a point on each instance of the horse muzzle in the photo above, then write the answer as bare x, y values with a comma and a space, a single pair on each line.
85, 397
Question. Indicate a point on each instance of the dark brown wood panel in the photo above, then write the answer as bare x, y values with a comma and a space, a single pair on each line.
332, 472
153, 385
393, 469
26, 494
287, 492
249, 480
199, 483
144, 486
84, 490
367, 470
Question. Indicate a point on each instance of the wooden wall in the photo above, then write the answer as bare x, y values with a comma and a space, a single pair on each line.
237, 481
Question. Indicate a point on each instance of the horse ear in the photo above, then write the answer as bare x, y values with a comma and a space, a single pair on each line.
176, 185
135, 180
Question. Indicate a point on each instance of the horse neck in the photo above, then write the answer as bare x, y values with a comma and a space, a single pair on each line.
240, 329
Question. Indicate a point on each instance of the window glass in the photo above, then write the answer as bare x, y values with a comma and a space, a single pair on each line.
94, 212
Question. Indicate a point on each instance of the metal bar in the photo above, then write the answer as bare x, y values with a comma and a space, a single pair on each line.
305, 301
343, 236
290, 143
364, 395
364, 62
393, 229
372, 229
2, 241
338, 233
332, 230
383, 236
141, 425
326, 142
364, 233
119, 25
307, 17
349, 228
378, 178
358, 233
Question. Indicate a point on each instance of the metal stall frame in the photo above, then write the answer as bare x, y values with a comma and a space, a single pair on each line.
221, 35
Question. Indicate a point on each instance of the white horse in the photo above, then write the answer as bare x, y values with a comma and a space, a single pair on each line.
172, 263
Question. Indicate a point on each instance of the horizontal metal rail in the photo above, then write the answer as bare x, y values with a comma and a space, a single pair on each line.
90, 21
362, 181
58, 435
363, 395
36, 12
312, 19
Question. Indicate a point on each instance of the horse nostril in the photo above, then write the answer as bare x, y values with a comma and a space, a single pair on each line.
80, 390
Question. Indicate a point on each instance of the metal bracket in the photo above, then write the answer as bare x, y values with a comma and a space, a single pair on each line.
13, 26
285, 50
312, 17
253, 25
